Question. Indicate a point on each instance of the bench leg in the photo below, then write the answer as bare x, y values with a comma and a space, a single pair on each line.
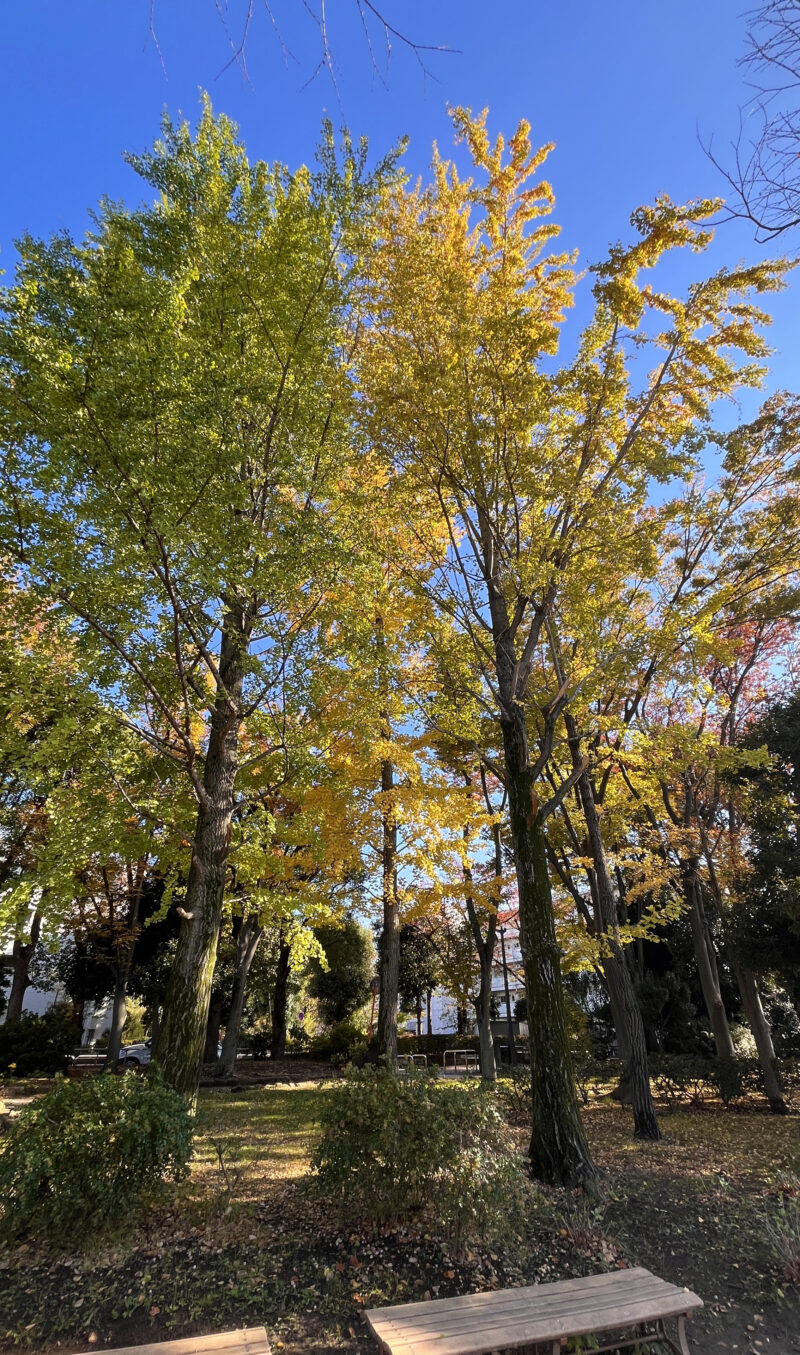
682, 1342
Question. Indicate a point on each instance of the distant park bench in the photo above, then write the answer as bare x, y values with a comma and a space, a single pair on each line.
465, 1060
539, 1316
252, 1341
406, 1061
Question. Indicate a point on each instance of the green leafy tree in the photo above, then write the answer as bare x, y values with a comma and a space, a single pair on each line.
341, 984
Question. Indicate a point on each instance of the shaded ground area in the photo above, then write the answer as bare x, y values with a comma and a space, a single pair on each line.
244, 1242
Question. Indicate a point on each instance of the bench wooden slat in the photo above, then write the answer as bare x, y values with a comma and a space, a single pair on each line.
250, 1341
511, 1318
532, 1299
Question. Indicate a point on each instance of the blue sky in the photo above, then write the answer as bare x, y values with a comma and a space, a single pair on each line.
622, 88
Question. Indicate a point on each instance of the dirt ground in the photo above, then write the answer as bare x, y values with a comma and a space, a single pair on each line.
243, 1241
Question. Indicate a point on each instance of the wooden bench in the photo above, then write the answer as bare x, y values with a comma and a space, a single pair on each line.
251, 1341
539, 1315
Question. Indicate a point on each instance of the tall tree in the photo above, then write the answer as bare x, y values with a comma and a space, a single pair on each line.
535, 477
175, 417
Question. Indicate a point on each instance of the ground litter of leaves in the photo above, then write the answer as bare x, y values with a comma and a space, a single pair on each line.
244, 1243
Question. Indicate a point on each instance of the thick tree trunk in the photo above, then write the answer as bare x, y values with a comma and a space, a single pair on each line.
706, 959
246, 946
22, 953
119, 1013
624, 1002
757, 1020
181, 1038
559, 1151
389, 972
155, 1021
280, 995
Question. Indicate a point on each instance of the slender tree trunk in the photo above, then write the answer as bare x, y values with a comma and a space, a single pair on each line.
246, 946
280, 994
22, 953
124, 958
181, 1038
155, 1020
757, 1020
215, 1010
461, 1020
389, 972
706, 959
559, 1151
483, 1007
428, 1011
484, 947
624, 1002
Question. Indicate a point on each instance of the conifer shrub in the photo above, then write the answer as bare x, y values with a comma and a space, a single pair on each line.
398, 1146
38, 1045
82, 1159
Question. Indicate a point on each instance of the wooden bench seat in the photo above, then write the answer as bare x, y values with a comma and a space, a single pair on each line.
251, 1341
537, 1315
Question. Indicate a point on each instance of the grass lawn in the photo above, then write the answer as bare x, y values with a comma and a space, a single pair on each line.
243, 1242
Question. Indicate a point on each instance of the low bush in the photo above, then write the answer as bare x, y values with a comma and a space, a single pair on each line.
38, 1044
782, 1229
393, 1145
84, 1157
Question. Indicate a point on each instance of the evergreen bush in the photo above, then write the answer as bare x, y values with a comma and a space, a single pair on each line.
395, 1146
38, 1045
84, 1157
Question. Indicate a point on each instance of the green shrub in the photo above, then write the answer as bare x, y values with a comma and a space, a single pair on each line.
393, 1146
337, 1043
83, 1158
38, 1044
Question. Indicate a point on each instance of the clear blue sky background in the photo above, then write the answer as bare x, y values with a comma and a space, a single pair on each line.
622, 87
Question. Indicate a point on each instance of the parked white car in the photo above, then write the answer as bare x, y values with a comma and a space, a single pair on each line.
135, 1054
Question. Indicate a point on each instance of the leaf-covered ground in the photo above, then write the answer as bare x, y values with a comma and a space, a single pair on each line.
243, 1242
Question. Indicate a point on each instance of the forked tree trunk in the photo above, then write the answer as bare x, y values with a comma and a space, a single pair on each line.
247, 942
181, 1037
706, 959
389, 971
22, 954
624, 1002
559, 1151
757, 1020
280, 998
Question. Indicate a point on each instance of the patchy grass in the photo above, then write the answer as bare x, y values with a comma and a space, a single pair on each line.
242, 1242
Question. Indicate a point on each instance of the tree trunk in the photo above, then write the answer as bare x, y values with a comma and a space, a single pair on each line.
559, 1151
246, 946
155, 1021
483, 1008
706, 959
22, 954
389, 972
280, 995
757, 1020
624, 1002
461, 1020
211, 1047
181, 1037
119, 1013
428, 1011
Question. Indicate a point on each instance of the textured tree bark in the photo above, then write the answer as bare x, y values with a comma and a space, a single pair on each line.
119, 1014
181, 1037
624, 1002
22, 953
757, 1020
706, 959
247, 943
559, 1152
389, 972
